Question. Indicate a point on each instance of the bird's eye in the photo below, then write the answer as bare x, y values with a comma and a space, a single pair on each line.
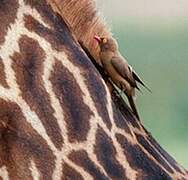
104, 40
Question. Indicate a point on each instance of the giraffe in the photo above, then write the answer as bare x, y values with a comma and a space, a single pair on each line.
58, 119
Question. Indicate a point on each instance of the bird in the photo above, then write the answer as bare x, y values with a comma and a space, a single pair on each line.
118, 69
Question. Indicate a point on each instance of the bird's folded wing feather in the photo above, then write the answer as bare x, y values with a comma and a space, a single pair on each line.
122, 67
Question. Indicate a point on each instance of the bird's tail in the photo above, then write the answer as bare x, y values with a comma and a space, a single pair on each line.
133, 106
138, 79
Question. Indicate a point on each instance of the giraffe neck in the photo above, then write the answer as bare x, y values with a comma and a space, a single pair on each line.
57, 119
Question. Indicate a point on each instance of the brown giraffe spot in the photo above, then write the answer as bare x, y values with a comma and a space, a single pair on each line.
81, 158
3, 81
28, 66
8, 10
153, 152
58, 26
20, 143
120, 121
70, 173
67, 90
98, 94
138, 160
106, 154
56, 35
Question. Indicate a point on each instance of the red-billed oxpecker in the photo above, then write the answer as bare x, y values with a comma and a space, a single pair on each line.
118, 69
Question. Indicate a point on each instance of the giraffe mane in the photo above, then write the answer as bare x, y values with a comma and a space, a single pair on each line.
83, 19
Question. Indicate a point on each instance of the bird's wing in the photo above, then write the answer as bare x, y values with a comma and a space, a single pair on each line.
126, 71
122, 67
138, 79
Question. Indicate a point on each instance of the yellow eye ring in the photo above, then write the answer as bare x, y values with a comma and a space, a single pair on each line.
104, 40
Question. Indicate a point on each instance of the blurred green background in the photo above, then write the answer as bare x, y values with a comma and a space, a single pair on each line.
153, 35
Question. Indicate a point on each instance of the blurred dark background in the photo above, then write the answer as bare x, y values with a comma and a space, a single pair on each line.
153, 35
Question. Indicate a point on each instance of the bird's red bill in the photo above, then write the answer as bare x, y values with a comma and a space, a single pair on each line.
97, 38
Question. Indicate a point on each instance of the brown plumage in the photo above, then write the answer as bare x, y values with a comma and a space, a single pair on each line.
118, 69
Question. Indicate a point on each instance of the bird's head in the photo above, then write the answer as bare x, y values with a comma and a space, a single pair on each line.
106, 44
